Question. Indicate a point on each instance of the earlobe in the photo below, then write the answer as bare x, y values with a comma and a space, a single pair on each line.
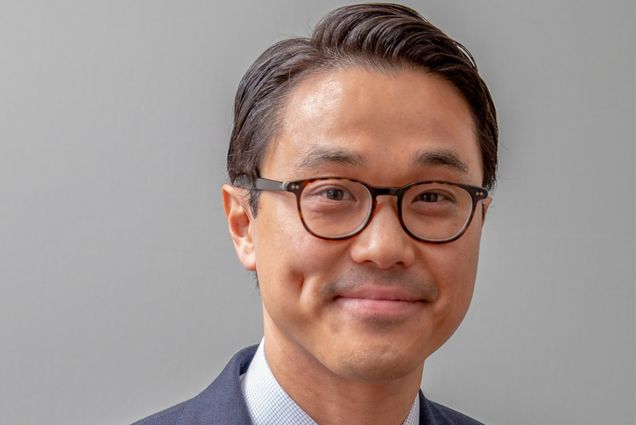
239, 222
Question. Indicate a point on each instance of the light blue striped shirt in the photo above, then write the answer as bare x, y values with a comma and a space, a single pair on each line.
269, 404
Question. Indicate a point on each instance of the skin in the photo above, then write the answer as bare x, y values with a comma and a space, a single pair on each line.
343, 357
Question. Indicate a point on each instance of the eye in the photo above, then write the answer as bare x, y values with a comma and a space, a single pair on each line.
431, 197
334, 193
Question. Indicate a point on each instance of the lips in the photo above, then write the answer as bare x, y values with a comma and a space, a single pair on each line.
381, 293
382, 304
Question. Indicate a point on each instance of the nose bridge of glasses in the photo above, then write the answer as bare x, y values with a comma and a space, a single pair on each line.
389, 193
385, 191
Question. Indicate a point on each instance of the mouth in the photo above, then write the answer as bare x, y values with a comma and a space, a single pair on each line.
378, 307
381, 302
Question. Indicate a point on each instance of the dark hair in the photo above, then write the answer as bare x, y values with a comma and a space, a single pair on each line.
380, 36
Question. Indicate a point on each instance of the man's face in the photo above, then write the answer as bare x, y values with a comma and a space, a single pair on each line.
330, 301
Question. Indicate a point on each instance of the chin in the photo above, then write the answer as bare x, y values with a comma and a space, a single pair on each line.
377, 363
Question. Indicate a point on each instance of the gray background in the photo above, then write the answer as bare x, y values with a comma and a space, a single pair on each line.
121, 294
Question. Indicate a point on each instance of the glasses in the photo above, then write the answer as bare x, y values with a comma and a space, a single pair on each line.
335, 208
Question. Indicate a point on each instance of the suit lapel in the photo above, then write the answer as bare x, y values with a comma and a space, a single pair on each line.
222, 402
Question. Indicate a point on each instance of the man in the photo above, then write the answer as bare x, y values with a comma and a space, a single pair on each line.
360, 161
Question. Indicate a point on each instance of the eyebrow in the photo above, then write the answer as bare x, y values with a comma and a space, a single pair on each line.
445, 158
321, 156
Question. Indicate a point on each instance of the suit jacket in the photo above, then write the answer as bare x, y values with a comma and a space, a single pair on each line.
223, 403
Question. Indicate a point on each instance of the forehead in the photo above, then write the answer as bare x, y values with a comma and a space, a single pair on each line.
362, 121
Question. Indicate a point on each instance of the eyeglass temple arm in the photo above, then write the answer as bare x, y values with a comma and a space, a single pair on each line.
261, 183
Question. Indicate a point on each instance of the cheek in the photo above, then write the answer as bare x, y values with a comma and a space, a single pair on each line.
454, 267
290, 262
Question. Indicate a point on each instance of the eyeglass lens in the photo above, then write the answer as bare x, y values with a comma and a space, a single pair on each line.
336, 208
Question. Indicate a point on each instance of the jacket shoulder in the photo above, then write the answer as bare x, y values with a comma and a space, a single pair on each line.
220, 403
168, 416
446, 416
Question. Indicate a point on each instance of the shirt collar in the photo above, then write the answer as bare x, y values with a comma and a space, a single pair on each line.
268, 403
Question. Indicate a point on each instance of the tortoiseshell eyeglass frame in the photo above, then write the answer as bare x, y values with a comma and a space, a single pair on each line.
297, 186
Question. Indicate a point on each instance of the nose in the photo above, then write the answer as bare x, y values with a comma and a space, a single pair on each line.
384, 243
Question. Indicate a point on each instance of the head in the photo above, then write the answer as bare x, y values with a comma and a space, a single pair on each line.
380, 95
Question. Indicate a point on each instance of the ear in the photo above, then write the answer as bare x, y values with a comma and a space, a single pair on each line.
240, 224
485, 204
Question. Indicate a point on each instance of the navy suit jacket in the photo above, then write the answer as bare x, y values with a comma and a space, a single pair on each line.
222, 403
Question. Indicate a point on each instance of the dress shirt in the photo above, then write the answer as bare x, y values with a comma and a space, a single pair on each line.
268, 403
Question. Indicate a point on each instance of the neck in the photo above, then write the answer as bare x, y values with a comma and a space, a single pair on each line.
331, 399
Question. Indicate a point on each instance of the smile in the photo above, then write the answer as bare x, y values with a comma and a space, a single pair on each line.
379, 307
380, 302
